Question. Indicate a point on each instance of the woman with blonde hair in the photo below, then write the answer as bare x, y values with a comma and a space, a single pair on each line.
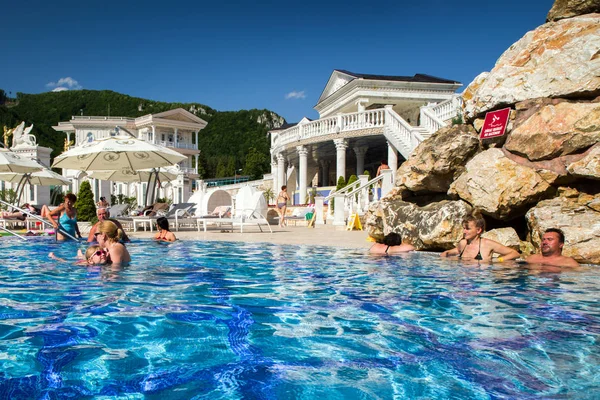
108, 237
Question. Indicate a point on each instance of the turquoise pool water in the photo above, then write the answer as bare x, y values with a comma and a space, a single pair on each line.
260, 321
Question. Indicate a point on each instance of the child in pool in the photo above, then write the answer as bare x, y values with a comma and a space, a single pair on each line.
94, 255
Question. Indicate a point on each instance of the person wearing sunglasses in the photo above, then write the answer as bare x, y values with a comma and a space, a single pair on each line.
104, 215
94, 255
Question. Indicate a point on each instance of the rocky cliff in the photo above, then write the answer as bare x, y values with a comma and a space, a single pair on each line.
544, 172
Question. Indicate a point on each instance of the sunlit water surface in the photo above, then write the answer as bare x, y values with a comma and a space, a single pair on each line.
224, 320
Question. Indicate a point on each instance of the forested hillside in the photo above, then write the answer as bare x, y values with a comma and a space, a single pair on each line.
233, 140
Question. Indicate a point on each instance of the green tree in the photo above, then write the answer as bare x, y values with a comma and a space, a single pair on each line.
351, 180
341, 182
220, 170
255, 164
86, 208
230, 169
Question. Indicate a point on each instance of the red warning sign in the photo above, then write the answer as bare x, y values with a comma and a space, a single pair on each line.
495, 123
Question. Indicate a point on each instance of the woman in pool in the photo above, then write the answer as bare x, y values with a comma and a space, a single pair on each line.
164, 234
282, 200
67, 217
94, 255
108, 236
474, 247
391, 244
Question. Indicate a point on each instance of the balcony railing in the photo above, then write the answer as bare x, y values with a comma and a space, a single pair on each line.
179, 145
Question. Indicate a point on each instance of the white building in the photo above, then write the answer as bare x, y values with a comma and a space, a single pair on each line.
363, 119
177, 129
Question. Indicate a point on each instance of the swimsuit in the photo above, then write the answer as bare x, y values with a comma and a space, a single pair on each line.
477, 257
280, 205
67, 224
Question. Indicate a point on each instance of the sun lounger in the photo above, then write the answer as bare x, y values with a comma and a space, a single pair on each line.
180, 208
241, 218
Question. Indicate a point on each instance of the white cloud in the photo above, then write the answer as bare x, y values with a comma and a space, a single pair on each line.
295, 95
67, 83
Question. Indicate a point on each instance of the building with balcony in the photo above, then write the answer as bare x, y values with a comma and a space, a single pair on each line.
177, 129
363, 119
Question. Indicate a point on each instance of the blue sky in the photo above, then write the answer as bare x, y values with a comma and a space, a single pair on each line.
273, 54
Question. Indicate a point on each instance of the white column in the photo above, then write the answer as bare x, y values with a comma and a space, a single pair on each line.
176, 140
339, 212
197, 161
325, 172
281, 179
340, 146
196, 141
360, 159
302, 173
319, 220
392, 159
274, 175
387, 183
153, 134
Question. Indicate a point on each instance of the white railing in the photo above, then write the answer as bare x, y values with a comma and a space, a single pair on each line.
188, 170
430, 121
179, 145
91, 118
436, 116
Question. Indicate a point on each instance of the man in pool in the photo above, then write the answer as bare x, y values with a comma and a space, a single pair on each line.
474, 247
553, 241
104, 215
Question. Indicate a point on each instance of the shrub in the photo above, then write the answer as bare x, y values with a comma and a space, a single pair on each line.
352, 179
340, 183
86, 208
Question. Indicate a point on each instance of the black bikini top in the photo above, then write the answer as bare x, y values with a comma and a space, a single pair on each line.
477, 257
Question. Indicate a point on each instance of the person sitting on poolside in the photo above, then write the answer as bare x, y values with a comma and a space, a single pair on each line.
104, 215
108, 237
391, 244
94, 255
553, 241
474, 247
102, 203
164, 234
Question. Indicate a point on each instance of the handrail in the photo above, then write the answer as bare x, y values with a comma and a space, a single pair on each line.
36, 217
12, 233
342, 190
369, 183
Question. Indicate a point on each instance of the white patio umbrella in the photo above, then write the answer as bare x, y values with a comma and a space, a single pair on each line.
128, 175
116, 153
45, 177
12, 162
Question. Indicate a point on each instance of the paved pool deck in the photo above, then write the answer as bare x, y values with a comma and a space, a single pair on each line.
321, 235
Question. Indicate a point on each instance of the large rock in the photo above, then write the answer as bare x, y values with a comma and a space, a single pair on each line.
588, 166
580, 223
506, 236
437, 226
499, 186
558, 59
571, 8
433, 165
553, 130
552, 171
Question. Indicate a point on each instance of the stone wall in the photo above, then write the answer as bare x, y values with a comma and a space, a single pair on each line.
545, 170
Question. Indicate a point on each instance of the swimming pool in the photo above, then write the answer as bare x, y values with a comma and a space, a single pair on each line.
226, 320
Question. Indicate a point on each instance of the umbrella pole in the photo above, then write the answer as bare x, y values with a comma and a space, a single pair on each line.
155, 174
21, 185
147, 190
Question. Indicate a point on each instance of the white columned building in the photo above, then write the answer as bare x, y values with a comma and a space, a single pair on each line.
177, 129
367, 111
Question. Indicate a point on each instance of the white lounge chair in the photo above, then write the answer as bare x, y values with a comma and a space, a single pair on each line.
249, 217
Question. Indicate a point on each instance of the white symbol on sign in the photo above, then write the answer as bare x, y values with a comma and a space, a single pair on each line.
495, 118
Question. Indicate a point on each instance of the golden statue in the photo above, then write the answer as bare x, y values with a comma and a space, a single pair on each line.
68, 144
7, 135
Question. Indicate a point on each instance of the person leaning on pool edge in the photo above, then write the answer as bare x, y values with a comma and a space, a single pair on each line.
391, 244
474, 247
553, 241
